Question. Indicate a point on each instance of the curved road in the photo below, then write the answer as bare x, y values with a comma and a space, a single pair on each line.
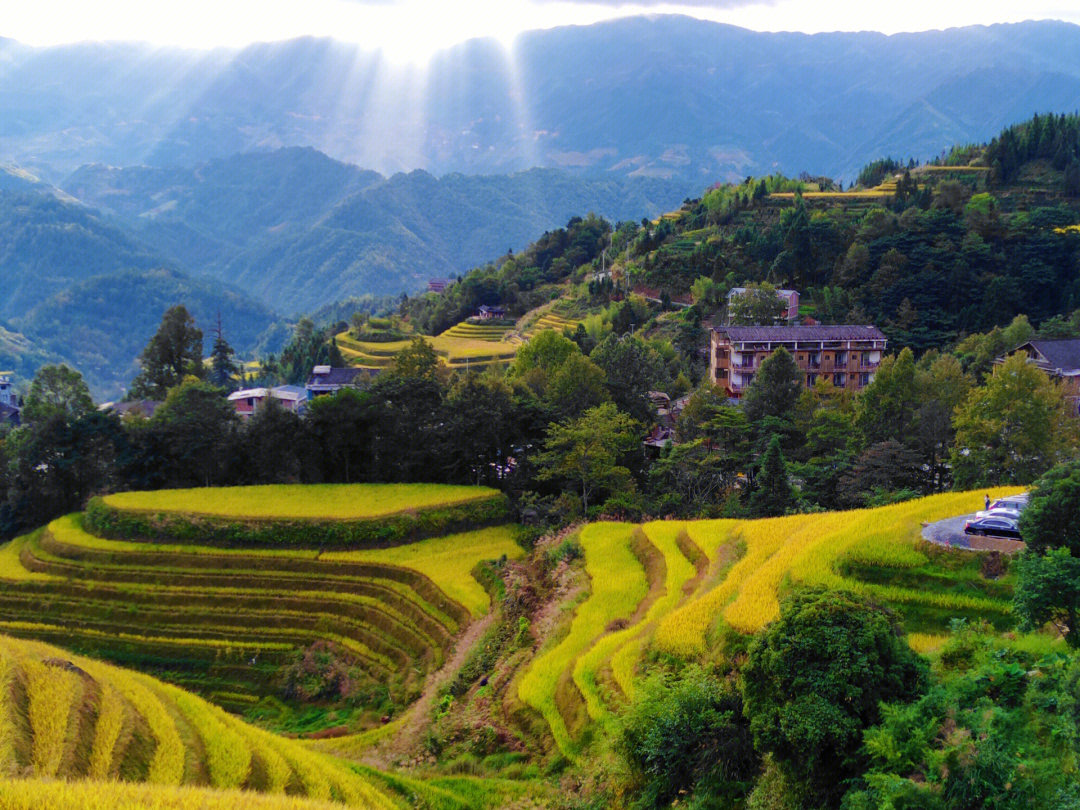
950, 532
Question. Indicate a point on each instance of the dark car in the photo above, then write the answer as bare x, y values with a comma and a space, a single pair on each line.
993, 526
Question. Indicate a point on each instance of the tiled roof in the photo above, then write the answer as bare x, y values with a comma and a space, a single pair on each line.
780, 334
338, 376
1059, 354
8, 412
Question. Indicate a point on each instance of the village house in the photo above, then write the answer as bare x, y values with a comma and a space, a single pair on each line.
144, 408
329, 380
9, 401
487, 313
291, 397
1058, 358
789, 297
846, 356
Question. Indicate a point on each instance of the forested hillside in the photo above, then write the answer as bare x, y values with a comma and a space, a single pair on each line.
80, 289
928, 253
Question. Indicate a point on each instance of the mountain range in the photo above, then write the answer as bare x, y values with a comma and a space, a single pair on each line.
663, 96
259, 238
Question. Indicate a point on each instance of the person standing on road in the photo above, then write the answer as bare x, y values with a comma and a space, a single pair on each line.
986, 501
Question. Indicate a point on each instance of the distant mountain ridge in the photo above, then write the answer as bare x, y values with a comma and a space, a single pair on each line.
298, 230
258, 236
659, 96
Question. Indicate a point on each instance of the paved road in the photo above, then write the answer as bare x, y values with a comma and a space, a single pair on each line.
948, 532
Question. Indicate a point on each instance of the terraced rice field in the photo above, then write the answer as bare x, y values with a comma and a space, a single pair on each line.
71, 718
223, 620
551, 320
299, 501
669, 586
467, 344
618, 585
455, 350
477, 330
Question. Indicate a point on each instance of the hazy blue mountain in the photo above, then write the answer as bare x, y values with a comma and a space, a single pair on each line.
298, 230
100, 325
662, 95
79, 289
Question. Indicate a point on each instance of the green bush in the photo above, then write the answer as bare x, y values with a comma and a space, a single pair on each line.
686, 734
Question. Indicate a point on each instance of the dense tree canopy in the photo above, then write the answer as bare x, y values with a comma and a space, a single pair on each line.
814, 682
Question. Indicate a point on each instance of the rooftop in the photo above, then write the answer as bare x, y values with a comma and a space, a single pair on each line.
781, 334
325, 375
1063, 355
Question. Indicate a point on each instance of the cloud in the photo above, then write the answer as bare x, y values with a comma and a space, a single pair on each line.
718, 5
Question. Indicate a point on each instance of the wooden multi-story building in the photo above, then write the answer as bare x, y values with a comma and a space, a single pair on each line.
846, 356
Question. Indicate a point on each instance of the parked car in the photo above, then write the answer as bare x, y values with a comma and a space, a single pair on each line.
993, 526
1016, 503
1011, 514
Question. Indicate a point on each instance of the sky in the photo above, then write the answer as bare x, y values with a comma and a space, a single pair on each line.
409, 31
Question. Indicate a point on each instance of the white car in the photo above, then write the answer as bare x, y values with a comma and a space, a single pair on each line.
1014, 503
1011, 514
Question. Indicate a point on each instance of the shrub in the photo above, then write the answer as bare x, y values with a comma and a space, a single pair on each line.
815, 680
687, 733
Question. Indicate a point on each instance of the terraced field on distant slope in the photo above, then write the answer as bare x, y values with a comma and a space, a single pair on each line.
670, 586
468, 344
71, 718
222, 620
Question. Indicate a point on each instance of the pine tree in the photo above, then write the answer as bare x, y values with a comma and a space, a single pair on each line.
174, 352
773, 494
222, 366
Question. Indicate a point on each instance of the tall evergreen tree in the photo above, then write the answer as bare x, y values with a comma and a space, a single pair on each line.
222, 366
174, 352
773, 494
775, 389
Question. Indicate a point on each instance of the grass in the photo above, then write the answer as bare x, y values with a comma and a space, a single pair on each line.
51, 695
874, 552
110, 724
222, 620
813, 550
621, 648
447, 561
28, 794
300, 501
618, 585
168, 738
679, 572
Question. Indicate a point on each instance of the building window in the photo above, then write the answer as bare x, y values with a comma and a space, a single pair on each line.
814, 358
811, 380
841, 359
721, 374
840, 380
864, 379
